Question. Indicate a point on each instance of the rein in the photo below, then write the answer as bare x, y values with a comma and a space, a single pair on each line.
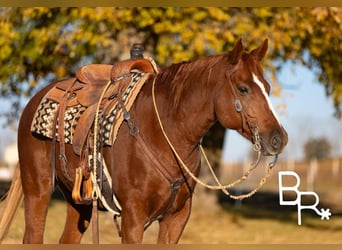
223, 188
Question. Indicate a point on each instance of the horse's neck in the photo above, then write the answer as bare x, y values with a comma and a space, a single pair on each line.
190, 106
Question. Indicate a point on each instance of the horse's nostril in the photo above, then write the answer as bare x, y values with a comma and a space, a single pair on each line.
276, 141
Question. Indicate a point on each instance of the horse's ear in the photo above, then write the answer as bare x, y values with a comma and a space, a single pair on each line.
236, 53
260, 51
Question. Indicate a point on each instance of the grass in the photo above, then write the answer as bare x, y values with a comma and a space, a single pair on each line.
217, 220
209, 223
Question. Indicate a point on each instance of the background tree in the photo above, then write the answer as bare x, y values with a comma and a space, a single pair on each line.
317, 148
39, 45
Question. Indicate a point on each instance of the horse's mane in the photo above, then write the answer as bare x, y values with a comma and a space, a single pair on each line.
179, 76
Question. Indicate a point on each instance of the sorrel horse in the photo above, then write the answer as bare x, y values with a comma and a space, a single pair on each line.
190, 98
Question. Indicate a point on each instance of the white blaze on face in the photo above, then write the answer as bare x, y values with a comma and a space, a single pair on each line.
263, 90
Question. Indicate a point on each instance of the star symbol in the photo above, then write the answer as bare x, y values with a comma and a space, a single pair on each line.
325, 214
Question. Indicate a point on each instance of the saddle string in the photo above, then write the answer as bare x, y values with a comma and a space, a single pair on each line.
219, 185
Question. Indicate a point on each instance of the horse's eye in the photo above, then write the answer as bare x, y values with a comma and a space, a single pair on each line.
243, 90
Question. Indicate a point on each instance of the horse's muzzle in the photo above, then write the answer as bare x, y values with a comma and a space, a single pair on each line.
275, 144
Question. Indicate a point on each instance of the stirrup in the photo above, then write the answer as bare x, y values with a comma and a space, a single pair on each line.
87, 188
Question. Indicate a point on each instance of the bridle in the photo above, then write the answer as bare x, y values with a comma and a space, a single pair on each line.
245, 117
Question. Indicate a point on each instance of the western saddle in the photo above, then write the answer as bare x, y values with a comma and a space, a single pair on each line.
93, 86
91, 79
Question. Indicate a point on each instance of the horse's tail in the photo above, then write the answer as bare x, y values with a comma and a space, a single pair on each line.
10, 204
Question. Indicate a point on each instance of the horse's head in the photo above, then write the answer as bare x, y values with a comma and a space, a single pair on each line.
242, 102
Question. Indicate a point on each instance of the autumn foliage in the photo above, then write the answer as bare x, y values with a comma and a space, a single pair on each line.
39, 44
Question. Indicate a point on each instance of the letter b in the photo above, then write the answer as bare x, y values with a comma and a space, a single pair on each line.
283, 188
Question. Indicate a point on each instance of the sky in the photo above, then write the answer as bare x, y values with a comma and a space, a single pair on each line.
308, 113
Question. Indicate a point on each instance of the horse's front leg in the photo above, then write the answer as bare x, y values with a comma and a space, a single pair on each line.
172, 225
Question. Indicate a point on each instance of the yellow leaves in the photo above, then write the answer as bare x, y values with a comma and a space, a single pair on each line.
5, 50
60, 71
124, 15
265, 12
336, 14
228, 36
173, 13
87, 36
218, 14
276, 91
187, 36
6, 37
87, 13
198, 45
48, 37
145, 18
167, 26
162, 27
32, 83
42, 36
149, 16
320, 13
199, 15
29, 12
182, 55
6, 30
162, 53
34, 13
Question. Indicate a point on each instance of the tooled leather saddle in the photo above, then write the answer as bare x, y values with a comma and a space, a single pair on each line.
67, 111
